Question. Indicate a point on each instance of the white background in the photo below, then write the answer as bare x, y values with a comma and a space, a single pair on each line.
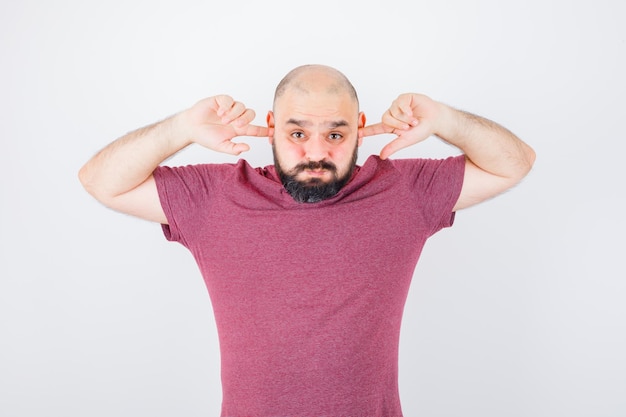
518, 310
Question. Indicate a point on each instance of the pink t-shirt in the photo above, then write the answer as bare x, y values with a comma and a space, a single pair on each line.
308, 298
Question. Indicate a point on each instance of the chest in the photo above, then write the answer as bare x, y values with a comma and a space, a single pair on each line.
366, 238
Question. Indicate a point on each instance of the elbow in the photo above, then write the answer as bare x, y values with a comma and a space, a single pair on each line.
529, 158
87, 180
523, 161
521, 166
83, 177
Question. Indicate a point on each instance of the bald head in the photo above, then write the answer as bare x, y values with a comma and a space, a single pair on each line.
308, 79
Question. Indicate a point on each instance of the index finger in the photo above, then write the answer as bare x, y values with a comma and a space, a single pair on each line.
375, 129
257, 131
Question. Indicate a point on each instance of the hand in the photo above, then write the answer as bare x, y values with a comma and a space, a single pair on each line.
213, 123
412, 117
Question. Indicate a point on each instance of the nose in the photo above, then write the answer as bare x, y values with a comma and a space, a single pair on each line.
316, 148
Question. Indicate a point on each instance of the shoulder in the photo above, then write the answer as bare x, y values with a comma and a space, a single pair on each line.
429, 164
206, 173
414, 168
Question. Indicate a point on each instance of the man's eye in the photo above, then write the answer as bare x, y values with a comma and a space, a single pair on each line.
335, 136
297, 135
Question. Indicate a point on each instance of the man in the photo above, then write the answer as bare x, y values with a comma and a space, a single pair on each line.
308, 262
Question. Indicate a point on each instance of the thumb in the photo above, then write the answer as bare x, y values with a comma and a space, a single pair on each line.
233, 148
393, 147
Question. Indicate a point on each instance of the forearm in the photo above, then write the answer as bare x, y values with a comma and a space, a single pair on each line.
486, 144
130, 160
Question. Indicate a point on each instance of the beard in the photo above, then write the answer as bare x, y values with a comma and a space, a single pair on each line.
314, 190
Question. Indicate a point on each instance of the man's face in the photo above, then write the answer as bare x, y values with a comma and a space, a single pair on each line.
315, 142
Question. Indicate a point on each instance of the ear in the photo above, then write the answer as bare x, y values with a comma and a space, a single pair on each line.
362, 121
270, 124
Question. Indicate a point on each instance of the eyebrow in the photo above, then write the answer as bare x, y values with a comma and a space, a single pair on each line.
333, 124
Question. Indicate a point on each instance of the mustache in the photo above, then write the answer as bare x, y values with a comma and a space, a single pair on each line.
313, 165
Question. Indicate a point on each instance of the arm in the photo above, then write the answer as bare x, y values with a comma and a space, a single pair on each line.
496, 159
120, 175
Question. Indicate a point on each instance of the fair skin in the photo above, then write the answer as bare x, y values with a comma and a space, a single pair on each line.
120, 175
319, 125
322, 123
496, 159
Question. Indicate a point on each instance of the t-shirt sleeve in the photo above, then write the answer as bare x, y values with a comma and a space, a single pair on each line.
437, 184
183, 191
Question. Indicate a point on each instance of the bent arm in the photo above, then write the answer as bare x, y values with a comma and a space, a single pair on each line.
120, 175
496, 159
